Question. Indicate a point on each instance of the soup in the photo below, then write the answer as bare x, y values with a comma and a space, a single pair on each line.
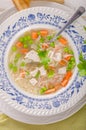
38, 66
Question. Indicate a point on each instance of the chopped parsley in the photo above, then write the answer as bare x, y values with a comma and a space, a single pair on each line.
82, 65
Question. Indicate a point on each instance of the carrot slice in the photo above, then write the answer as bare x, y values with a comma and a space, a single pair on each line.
24, 51
19, 44
50, 91
63, 41
66, 78
63, 62
45, 46
68, 75
34, 35
44, 32
57, 86
68, 58
64, 82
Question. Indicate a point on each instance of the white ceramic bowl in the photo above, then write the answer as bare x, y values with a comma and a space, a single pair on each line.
14, 26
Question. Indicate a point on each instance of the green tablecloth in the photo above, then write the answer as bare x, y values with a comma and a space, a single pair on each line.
75, 122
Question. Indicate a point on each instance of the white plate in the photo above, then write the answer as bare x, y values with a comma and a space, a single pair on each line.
82, 95
19, 116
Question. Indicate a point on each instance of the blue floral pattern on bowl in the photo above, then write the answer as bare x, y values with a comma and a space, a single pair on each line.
22, 22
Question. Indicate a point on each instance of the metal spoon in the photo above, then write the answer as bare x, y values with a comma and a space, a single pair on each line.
76, 15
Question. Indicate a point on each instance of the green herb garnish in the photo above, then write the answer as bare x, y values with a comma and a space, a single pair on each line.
84, 41
38, 33
51, 73
52, 44
27, 73
49, 37
10, 65
42, 40
43, 57
42, 90
30, 41
14, 48
82, 65
42, 53
25, 45
59, 37
18, 55
45, 61
71, 64
37, 75
23, 64
84, 28
68, 50
14, 68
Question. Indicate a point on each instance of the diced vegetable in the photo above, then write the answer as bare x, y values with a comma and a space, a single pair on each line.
34, 35
33, 81
44, 32
52, 44
33, 56
64, 82
19, 44
45, 61
57, 57
42, 53
34, 72
14, 48
23, 64
45, 45
42, 71
71, 64
30, 41
10, 65
27, 73
67, 50
68, 75
62, 70
24, 51
57, 86
28, 37
63, 41
42, 90
59, 37
66, 78
38, 32
14, 68
22, 73
17, 57
68, 57
51, 73
25, 45
50, 91
63, 62
42, 40
49, 37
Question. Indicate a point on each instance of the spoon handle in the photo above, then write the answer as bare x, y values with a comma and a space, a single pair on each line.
76, 15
